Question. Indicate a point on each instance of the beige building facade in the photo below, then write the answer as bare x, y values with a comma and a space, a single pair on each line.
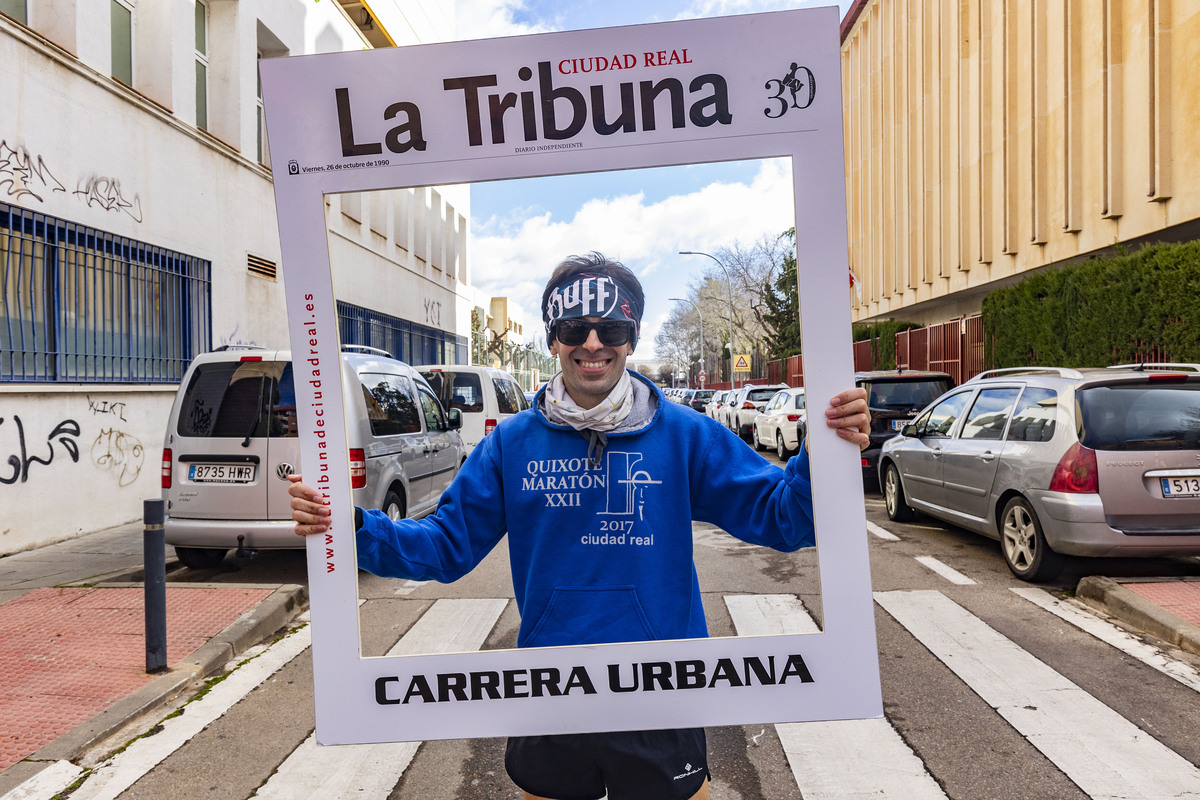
987, 139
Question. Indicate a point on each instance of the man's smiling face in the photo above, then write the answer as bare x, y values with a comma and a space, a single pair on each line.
590, 370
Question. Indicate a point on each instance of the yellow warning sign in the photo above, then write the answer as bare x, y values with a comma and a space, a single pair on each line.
741, 363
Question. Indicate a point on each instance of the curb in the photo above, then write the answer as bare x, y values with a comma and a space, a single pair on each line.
268, 617
1110, 596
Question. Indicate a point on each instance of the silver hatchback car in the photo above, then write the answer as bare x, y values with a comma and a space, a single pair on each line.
1057, 462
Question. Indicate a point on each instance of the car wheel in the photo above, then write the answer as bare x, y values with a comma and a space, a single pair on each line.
898, 509
746, 432
1024, 544
200, 557
758, 445
393, 506
781, 449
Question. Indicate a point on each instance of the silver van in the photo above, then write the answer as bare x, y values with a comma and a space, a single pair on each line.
232, 441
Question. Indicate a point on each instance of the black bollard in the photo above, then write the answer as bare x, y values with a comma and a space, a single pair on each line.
154, 558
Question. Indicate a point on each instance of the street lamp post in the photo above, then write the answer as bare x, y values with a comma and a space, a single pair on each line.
729, 288
695, 306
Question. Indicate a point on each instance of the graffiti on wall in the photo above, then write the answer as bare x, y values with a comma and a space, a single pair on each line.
106, 193
115, 408
64, 434
120, 453
22, 174
234, 340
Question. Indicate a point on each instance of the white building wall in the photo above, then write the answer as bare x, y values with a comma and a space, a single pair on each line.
79, 146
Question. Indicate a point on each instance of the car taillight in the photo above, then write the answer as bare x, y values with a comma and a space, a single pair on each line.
166, 468
1167, 377
1076, 472
862, 462
793, 417
489, 425
358, 468
748, 405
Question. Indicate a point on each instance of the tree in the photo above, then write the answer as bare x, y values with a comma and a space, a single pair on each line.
782, 315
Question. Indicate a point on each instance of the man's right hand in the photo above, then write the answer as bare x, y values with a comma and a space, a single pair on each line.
308, 511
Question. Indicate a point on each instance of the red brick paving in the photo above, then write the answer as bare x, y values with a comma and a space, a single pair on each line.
1181, 598
66, 654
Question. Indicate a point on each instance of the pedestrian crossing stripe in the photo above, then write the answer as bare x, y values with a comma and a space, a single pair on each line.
1105, 754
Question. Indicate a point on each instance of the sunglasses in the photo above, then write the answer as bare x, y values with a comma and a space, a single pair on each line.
574, 332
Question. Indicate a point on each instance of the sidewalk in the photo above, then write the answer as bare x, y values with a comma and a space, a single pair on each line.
72, 643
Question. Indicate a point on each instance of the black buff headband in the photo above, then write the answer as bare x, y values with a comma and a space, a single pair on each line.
590, 295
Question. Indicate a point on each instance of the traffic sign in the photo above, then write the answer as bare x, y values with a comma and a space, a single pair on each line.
741, 363
703, 376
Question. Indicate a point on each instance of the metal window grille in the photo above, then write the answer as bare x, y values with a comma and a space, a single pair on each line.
80, 305
410, 342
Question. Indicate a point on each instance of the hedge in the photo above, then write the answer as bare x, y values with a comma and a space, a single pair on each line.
1104, 311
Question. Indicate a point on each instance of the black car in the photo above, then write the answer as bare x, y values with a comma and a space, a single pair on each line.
699, 399
895, 396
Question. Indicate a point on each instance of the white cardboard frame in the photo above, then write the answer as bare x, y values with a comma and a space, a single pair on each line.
387, 95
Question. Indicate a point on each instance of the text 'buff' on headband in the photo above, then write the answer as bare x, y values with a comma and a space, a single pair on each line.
586, 294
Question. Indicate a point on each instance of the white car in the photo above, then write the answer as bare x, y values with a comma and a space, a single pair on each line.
782, 423
748, 404
486, 396
715, 403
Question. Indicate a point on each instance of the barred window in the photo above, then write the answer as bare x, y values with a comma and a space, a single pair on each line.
78, 304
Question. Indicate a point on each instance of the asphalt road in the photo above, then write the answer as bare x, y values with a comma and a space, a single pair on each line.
1001, 699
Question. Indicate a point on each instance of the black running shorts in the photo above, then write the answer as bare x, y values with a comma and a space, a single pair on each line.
627, 765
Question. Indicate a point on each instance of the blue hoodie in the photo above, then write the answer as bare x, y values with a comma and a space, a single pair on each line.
599, 554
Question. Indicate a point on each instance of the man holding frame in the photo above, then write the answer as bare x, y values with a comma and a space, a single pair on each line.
611, 561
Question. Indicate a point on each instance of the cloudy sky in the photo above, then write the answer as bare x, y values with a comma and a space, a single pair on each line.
640, 217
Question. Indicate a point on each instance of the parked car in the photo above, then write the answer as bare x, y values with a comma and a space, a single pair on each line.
684, 397
232, 440
715, 403
486, 396
782, 423
699, 399
1058, 462
895, 397
747, 404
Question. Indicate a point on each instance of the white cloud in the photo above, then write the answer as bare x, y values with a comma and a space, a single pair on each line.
485, 19
514, 256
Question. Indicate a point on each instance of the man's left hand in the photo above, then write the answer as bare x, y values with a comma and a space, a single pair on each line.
849, 415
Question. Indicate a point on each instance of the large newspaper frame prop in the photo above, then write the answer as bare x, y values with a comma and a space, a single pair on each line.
755, 86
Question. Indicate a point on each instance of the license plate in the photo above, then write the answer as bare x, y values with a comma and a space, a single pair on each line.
221, 473
1181, 487
898, 424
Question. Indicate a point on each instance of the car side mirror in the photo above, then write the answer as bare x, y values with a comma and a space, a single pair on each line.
910, 430
453, 419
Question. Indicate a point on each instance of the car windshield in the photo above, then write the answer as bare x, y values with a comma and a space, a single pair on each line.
799, 402
704, 394
1140, 416
239, 399
761, 395
461, 390
907, 393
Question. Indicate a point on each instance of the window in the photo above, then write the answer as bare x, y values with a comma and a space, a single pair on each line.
1033, 420
121, 23
202, 65
509, 399
1133, 417
261, 123
15, 9
390, 405
461, 390
81, 305
940, 419
407, 341
239, 399
435, 418
989, 414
